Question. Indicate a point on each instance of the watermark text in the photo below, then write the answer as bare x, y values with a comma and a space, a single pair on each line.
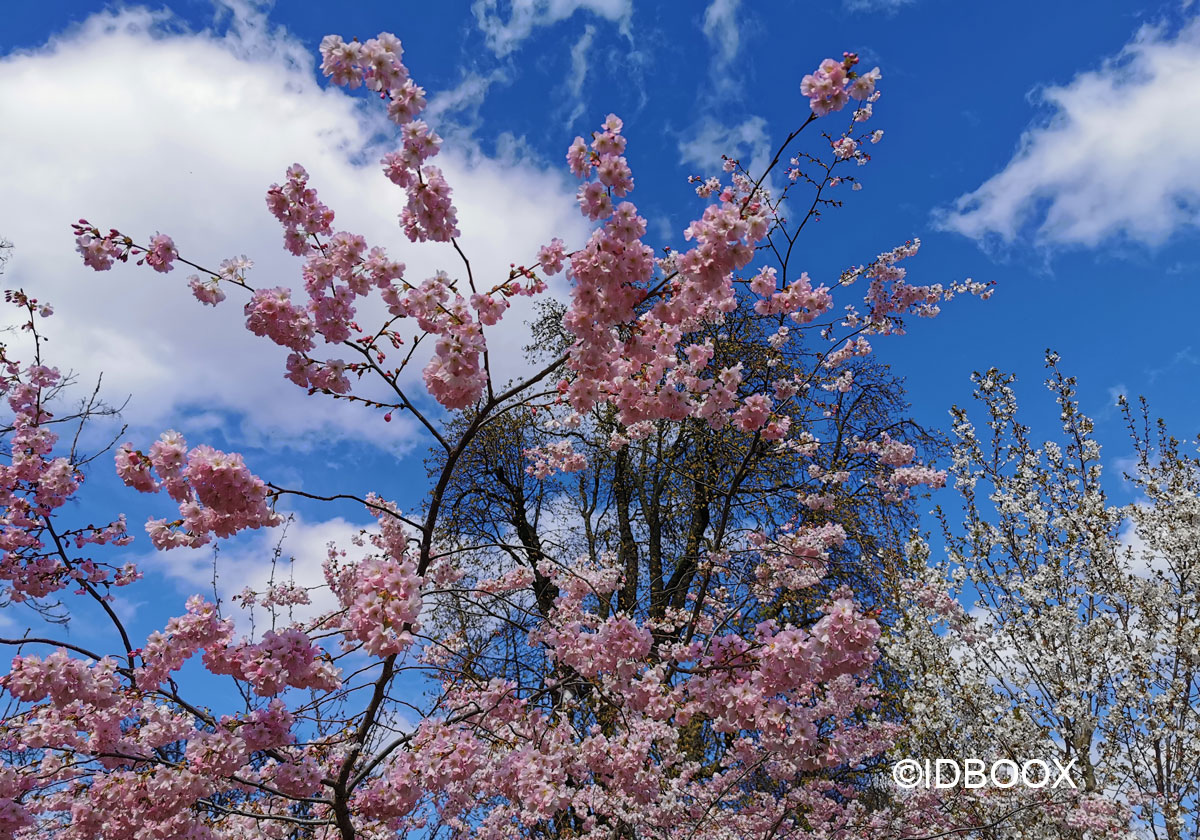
1004, 773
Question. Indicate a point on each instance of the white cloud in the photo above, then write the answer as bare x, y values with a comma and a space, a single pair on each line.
1142, 560
886, 7
1185, 356
463, 99
721, 29
1117, 158
251, 561
579, 72
747, 141
505, 36
130, 123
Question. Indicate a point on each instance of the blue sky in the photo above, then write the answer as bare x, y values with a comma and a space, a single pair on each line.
1051, 148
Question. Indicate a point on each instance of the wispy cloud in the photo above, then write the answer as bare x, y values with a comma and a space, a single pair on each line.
506, 34
875, 6
1183, 357
722, 29
1117, 157
747, 142
579, 73
455, 111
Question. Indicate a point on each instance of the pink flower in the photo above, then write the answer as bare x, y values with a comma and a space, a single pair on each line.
134, 469
206, 291
162, 253
550, 257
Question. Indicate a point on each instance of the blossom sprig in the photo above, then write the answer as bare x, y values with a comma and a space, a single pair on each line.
35, 560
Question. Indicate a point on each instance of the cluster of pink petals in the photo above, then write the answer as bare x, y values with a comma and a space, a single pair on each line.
271, 313
98, 250
61, 679
217, 493
385, 605
209, 290
430, 214
796, 559
454, 375
381, 594
554, 457
643, 374
282, 659
197, 629
298, 209
899, 472
834, 83
550, 257
162, 253
799, 300
511, 581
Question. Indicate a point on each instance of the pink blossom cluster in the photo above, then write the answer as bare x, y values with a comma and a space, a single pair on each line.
890, 296
555, 457
62, 679
209, 290
217, 493
282, 659
217, 753
511, 581
854, 347
375, 64
286, 594
385, 605
912, 476
454, 375
799, 300
380, 594
618, 647
901, 473
394, 794
296, 778
430, 213
846, 636
165, 651
98, 250
834, 83
298, 209
550, 257
753, 414
264, 728
887, 450
335, 275
643, 374
162, 253
796, 558
271, 313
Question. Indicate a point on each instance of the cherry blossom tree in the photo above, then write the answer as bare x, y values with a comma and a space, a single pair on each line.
655, 503
708, 713
1081, 645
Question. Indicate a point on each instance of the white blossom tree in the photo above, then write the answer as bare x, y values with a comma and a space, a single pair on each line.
1061, 627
